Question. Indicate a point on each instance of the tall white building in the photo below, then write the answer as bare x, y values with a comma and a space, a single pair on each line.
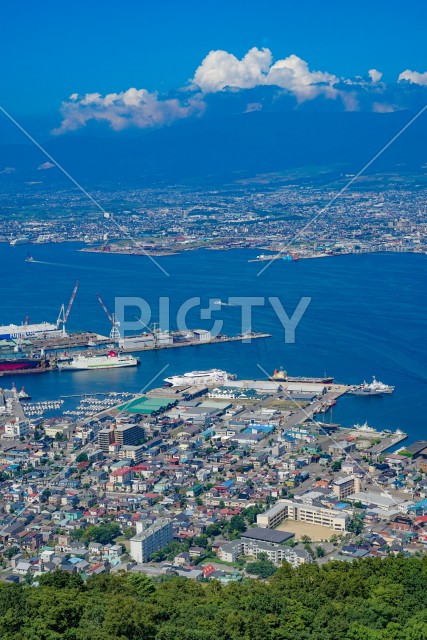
344, 487
230, 551
149, 540
293, 510
16, 428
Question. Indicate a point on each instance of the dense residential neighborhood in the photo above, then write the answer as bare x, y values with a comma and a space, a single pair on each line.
203, 482
169, 220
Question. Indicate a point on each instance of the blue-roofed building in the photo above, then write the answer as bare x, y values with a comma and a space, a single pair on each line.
259, 428
207, 433
289, 438
420, 508
228, 484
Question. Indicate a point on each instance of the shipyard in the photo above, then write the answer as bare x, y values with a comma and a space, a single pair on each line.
43, 354
39, 348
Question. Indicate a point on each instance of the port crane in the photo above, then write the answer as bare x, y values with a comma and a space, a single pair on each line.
64, 313
114, 333
105, 245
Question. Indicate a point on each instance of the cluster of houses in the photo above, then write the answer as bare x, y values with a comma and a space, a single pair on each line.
202, 461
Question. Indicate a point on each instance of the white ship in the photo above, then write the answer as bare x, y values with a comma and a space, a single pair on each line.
375, 388
212, 376
41, 330
364, 427
83, 362
20, 240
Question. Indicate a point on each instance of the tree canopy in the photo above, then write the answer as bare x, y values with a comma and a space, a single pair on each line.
369, 599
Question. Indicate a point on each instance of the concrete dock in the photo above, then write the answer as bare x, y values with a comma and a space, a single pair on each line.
388, 443
93, 341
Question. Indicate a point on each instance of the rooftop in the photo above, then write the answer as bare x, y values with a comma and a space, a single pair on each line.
268, 535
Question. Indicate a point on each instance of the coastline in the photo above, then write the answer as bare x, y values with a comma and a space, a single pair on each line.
262, 258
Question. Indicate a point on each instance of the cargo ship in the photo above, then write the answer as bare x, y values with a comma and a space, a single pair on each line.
212, 376
18, 332
112, 360
280, 375
24, 364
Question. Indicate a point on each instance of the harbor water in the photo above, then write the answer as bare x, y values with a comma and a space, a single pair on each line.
367, 316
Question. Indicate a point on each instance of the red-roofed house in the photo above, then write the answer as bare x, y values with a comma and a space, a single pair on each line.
208, 570
121, 476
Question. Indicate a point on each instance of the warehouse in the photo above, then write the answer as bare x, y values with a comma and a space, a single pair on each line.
148, 406
304, 387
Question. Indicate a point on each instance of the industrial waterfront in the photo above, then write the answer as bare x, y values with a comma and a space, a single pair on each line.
354, 327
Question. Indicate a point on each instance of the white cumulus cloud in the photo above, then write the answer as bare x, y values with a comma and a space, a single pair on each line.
293, 73
384, 107
414, 77
375, 75
253, 106
45, 166
220, 70
134, 107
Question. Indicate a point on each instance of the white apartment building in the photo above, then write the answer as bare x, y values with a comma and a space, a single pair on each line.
293, 510
149, 540
132, 452
16, 428
230, 551
344, 487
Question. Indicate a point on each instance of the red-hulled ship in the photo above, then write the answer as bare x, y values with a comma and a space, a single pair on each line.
23, 365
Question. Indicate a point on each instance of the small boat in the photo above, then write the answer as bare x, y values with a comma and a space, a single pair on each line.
29, 258
22, 395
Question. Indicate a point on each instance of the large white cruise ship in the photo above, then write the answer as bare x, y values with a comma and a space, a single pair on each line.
212, 376
83, 362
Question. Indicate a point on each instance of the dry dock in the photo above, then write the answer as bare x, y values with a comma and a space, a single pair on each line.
70, 341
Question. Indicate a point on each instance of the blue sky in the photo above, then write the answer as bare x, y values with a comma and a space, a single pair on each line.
52, 49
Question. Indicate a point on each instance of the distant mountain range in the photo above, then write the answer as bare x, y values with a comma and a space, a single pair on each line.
224, 149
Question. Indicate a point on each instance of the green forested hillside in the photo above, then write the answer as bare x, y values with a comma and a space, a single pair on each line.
371, 599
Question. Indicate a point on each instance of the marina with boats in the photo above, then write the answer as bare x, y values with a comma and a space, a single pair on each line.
300, 404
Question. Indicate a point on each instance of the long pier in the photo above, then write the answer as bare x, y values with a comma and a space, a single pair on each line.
388, 442
98, 344
198, 343
89, 340
95, 344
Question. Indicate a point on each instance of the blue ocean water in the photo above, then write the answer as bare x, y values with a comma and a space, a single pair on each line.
367, 317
